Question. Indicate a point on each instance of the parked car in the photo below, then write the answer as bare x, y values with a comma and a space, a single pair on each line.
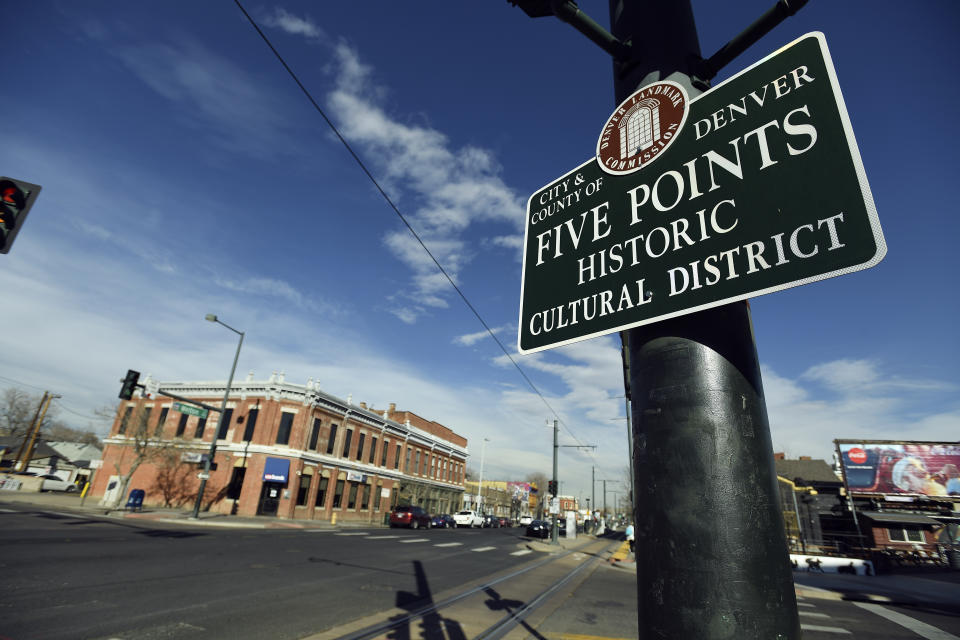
468, 519
538, 529
443, 521
56, 483
525, 520
504, 521
410, 516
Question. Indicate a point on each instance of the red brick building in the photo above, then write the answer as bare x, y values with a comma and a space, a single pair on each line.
285, 450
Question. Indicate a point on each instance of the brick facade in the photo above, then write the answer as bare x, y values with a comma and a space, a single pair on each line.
339, 459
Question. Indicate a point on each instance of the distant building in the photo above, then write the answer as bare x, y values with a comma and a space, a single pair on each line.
283, 450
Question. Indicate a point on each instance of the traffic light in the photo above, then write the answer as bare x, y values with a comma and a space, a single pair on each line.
552, 487
129, 384
16, 198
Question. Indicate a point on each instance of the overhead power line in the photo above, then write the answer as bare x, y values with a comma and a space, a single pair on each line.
400, 215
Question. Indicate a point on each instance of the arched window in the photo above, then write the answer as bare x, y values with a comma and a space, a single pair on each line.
639, 127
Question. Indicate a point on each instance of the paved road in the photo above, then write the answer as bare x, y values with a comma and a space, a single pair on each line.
70, 575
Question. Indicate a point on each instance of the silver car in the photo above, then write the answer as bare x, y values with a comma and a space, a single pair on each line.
56, 483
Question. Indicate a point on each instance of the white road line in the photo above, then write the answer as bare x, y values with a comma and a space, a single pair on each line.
805, 604
8, 511
483, 549
449, 544
522, 552
817, 627
361, 533
413, 540
813, 614
381, 537
920, 628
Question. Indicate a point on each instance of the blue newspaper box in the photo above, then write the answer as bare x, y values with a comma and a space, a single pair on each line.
135, 501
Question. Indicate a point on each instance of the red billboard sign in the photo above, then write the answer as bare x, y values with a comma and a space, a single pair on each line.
929, 469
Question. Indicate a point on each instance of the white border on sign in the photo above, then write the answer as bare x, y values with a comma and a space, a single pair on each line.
864, 189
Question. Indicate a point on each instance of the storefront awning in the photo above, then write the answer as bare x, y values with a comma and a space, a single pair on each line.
899, 518
276, 470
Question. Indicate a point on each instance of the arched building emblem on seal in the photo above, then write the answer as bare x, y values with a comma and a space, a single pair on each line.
642, 127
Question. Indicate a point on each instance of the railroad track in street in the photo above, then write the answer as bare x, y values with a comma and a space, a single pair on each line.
485, 609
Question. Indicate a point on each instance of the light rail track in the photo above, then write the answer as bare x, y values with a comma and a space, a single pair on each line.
488, 610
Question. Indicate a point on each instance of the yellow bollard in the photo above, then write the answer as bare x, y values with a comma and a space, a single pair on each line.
333, 519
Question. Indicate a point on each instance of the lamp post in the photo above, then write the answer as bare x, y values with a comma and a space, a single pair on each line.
223, 409
483, 451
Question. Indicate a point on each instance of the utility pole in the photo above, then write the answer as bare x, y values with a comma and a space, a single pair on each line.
555, 527
28, 436
703, 458
711, 553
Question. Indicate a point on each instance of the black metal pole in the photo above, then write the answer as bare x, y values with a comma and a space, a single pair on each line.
555, 526
711, 549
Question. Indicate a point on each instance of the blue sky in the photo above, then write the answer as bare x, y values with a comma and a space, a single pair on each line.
184, 173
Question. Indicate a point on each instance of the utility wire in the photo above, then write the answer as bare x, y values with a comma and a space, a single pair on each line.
396, 210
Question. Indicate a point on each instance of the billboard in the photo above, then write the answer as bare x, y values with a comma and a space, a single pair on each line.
929, 469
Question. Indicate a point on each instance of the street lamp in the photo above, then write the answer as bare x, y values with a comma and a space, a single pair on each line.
483, 450
223, 410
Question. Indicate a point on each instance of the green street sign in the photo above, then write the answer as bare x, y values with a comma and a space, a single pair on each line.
190, 410
752, 187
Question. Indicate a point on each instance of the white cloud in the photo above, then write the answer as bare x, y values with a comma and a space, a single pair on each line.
294, 25
471, 339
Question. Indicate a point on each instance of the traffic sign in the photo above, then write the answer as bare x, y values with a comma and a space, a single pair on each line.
190, 410
203, 475
752, 187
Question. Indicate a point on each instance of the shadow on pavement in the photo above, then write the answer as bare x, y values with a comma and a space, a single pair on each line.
432, 626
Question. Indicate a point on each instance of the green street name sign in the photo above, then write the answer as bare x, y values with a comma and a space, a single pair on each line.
752, 187
190, 410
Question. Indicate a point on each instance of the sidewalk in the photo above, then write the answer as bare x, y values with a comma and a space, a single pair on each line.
91, 507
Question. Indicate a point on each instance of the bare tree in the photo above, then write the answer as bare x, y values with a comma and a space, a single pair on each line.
17, 410
140, 447
175, 480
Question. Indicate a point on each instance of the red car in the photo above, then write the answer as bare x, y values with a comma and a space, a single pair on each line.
409, 516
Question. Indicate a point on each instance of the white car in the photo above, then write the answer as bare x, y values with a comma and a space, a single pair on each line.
468, 519
55, 483
525, 520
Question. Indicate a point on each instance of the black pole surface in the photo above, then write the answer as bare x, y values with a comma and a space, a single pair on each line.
711, 549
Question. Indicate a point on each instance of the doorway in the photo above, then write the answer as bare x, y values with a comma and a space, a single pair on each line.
269, 499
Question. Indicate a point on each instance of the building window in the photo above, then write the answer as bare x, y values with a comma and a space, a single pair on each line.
321, 500
182, 425
286, 424
225, 424
905, 535
251, 425
378, 496
303, 490
352, 497
416, 465
360, 440
333, 439
201, 425
396, 458
236, 483
125, 421
406, 463
146, 420
314, 435
373, 449
383, 456
338, 494
346, 443
365, 498
158, 432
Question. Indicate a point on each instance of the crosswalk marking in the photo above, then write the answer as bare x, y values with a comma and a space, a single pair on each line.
922, 629
413, 540
7, 511
804, 604
522, 552
817, 627
483, 549
449, 544
381, 537
813, 614
358, 533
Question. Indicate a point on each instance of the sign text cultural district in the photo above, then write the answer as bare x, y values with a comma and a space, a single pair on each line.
752, 187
